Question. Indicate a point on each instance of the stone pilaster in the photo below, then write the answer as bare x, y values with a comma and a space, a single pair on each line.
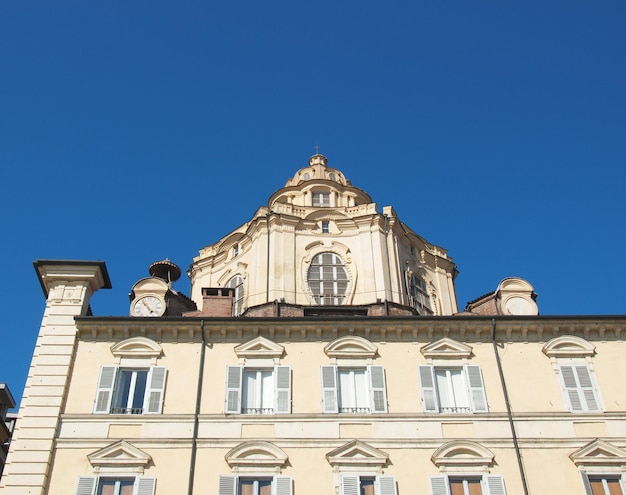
68, 286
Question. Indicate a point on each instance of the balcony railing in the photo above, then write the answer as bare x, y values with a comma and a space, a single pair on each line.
257, 410
127, 410
354, 410
455, 410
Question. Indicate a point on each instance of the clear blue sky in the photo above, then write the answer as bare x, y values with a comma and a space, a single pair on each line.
134, 131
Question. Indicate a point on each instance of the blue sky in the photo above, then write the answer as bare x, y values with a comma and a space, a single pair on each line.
135, 131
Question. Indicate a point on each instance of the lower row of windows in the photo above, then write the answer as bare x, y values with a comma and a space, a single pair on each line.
351, 484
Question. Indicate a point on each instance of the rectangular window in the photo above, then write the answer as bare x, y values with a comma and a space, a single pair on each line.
130, 391
452, 389
325, 227
467, 485
258, 390
603, 484
321, 199
94, 485
578, 385
271, 485
353, 484
353, 390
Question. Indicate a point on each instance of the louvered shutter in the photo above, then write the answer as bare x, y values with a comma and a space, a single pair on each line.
227, 485
378, 392
571, 388
145, 485
387, 485
104, 393
587, 388
349, 484
155, 388
494, 485
86, 485
283, 389
233, 389
427, 385
476, 388
329, 389
281, 485
586, 484
439, 485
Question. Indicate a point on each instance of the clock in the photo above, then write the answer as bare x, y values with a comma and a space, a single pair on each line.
148, 306
520, 306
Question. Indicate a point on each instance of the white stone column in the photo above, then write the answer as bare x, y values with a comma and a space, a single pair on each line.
68, 286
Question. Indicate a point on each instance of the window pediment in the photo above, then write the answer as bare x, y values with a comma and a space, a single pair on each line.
351, 347
260, 347
357, 454
446, 348
257, 455
599, 453
462, 454
137, 347
120, 456
568, 346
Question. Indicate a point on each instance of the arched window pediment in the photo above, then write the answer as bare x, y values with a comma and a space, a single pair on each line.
462, 454
351, 346
256, 454
446, 348
137, 347
568, 346
260, 347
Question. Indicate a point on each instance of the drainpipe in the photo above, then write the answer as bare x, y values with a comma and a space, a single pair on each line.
508, 407
196, 419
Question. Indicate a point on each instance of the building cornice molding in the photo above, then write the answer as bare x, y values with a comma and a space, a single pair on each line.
389, 329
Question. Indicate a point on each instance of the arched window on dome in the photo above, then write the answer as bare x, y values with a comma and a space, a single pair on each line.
237, 283
420, 299
328, 279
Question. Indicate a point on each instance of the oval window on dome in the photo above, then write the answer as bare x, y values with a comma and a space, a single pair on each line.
306, 176
328, 279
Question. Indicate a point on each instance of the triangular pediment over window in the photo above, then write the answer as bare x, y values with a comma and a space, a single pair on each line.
257, 455
462, 454
351, 347
599, 453
120, 456
446, 348
568, 346
260, 347
357, 454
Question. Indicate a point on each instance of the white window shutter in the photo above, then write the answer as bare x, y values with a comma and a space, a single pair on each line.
282, 378
587, 388
387, 485
86, 485
281, 485
349, 484
155, 388
104, 392
572, 393
329, 389
586, 484
145, 485
493, 485
427, 385
234, 376
439, 485
476, 388
227, 485
378, 392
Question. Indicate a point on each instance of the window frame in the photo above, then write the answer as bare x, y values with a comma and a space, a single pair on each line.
376, 388
233, 402
587, 480
474, 388
239, 293
90, 485
108, 383
230, 484
318, 283
490, 484
579, 397
320, 199
351, 484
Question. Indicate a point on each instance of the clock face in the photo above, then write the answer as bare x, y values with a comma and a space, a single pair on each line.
520, 306
148, 306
